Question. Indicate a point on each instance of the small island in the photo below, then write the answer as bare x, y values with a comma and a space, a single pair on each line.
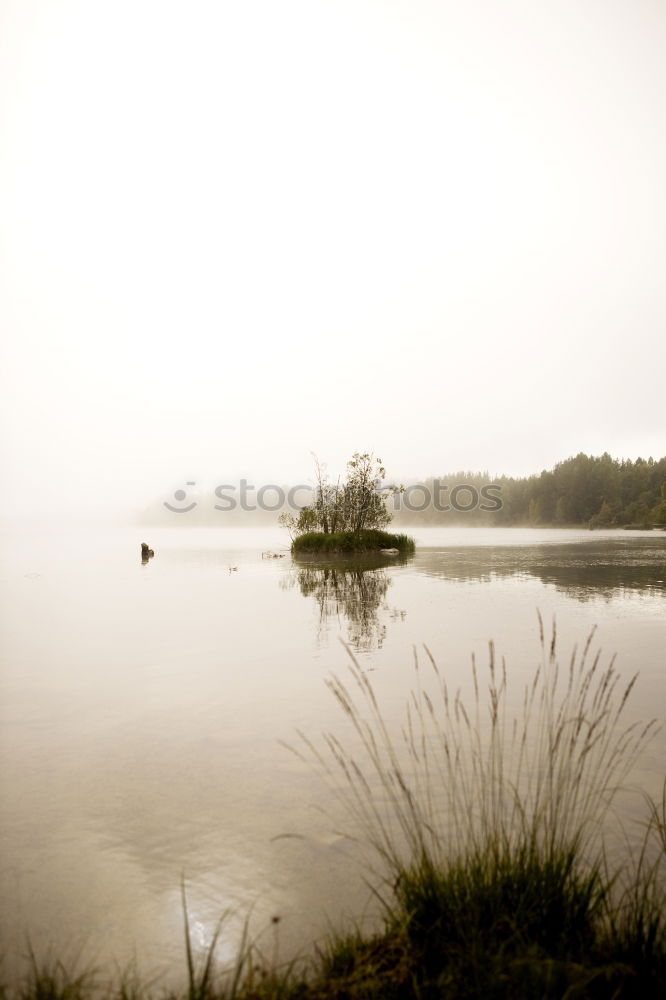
348, 517
367, 540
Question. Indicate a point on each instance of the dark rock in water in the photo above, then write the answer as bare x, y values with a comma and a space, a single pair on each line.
146, 552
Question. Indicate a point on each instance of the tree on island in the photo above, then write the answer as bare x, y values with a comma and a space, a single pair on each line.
357, 504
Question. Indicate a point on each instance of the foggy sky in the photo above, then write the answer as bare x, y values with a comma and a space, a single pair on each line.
234, 233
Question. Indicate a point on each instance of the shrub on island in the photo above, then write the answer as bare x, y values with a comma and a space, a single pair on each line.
348, 516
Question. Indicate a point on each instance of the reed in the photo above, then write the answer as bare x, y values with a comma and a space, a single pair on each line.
487, 825
457, 779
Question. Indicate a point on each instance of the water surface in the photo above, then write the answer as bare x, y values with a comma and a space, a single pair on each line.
143, 705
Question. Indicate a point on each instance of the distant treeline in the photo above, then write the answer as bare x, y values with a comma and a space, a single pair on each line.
585, 490
593, 491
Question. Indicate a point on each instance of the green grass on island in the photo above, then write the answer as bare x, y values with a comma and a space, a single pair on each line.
369, 540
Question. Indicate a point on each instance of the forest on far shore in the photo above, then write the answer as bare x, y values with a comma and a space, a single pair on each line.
599, 492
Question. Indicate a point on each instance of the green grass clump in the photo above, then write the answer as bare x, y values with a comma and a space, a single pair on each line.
371, 540
478, 921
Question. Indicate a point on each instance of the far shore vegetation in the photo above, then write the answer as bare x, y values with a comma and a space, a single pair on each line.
493, 843
348, 516
584, 491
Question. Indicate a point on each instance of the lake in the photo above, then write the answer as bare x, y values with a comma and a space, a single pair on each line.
143, 707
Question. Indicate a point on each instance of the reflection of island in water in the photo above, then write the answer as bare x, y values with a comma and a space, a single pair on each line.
353, 589
582, 570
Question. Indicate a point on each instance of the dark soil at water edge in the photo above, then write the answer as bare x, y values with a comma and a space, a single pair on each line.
517, 927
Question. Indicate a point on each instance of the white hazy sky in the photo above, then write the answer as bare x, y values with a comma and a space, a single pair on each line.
235, 232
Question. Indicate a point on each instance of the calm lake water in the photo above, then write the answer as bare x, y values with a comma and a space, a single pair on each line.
143, 705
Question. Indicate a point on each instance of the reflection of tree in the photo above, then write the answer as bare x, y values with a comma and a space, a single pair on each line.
351, 589
583, 570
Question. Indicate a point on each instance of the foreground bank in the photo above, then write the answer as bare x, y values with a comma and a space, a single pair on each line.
516, 926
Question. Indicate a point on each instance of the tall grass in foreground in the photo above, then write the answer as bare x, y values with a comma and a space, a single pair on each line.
460, 779
488, 827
